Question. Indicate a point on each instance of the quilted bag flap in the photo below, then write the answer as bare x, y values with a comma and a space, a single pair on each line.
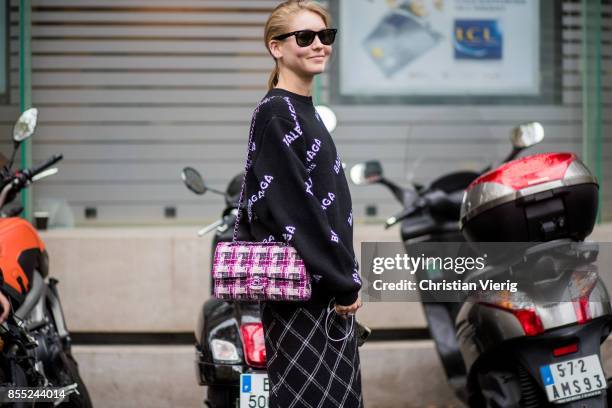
271, 259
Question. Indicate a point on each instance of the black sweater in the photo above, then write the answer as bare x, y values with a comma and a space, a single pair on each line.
296, 192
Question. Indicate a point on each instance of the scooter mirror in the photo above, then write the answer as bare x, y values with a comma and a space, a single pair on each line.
193, 180
526, 135
25, 125
366, 173
328, 117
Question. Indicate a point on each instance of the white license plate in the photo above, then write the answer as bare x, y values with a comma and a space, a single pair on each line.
254, 390
573, 379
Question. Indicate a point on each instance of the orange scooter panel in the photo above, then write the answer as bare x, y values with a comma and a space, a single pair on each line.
18, 242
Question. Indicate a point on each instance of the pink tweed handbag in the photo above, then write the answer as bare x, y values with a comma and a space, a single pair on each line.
258, 270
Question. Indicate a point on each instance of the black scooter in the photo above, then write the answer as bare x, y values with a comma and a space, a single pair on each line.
229, 334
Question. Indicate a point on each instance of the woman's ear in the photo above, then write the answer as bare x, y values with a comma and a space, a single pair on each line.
275, 49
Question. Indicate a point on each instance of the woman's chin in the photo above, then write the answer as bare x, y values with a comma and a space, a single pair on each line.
315, 69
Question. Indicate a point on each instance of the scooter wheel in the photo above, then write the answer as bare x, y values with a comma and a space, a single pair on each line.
221, 397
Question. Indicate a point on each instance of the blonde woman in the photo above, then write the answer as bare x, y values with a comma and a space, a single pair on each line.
297, 193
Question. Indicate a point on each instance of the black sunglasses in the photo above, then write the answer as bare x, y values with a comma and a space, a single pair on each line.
305, 37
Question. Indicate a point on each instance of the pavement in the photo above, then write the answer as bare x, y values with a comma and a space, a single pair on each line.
155, 280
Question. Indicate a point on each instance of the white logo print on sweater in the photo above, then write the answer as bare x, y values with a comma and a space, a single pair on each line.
314, 149
290, 137
326, 202
290, 231
261, 193
297, 130
356, 277
337, 164
350, 219
334, 236
309, 186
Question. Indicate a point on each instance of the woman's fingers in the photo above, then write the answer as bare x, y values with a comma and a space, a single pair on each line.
352, 309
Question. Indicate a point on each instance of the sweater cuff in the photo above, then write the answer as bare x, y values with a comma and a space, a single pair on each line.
347, 299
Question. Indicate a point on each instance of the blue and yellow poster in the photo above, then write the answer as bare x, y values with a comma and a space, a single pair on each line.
439, 47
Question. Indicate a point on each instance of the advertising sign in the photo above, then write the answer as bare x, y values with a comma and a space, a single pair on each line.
439, 47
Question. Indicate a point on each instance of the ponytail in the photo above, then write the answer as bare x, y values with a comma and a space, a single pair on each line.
273, 80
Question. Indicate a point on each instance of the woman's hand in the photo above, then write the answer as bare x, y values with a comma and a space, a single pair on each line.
6, 307
344, 311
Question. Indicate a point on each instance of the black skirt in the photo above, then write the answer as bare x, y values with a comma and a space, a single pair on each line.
305, 368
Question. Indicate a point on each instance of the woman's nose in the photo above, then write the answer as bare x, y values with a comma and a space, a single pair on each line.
316, 44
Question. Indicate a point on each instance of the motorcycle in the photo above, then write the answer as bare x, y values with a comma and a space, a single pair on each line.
35, 344
229, 335
491, 353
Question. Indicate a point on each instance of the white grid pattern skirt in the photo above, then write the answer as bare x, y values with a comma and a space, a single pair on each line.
305, 368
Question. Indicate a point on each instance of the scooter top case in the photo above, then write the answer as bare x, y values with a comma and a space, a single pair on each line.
21, 252
536, 198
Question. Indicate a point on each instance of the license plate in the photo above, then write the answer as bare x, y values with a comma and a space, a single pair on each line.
254, 390
573, 379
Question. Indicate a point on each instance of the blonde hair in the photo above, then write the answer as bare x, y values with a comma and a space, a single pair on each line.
277, 24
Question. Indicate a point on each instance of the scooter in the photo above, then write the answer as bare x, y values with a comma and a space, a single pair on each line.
540, 345
493, 355
431, 214
229, 334
35, 345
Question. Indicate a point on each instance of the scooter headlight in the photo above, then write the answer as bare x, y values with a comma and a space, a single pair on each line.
224, 351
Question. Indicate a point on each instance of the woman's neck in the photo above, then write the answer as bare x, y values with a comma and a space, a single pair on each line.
293, 83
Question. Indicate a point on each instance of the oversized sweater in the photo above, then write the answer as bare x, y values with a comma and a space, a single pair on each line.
296, 192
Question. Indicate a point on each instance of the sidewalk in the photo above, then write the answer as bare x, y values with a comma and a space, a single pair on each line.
155, 280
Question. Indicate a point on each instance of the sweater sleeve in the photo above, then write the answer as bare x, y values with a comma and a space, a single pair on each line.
298, 213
